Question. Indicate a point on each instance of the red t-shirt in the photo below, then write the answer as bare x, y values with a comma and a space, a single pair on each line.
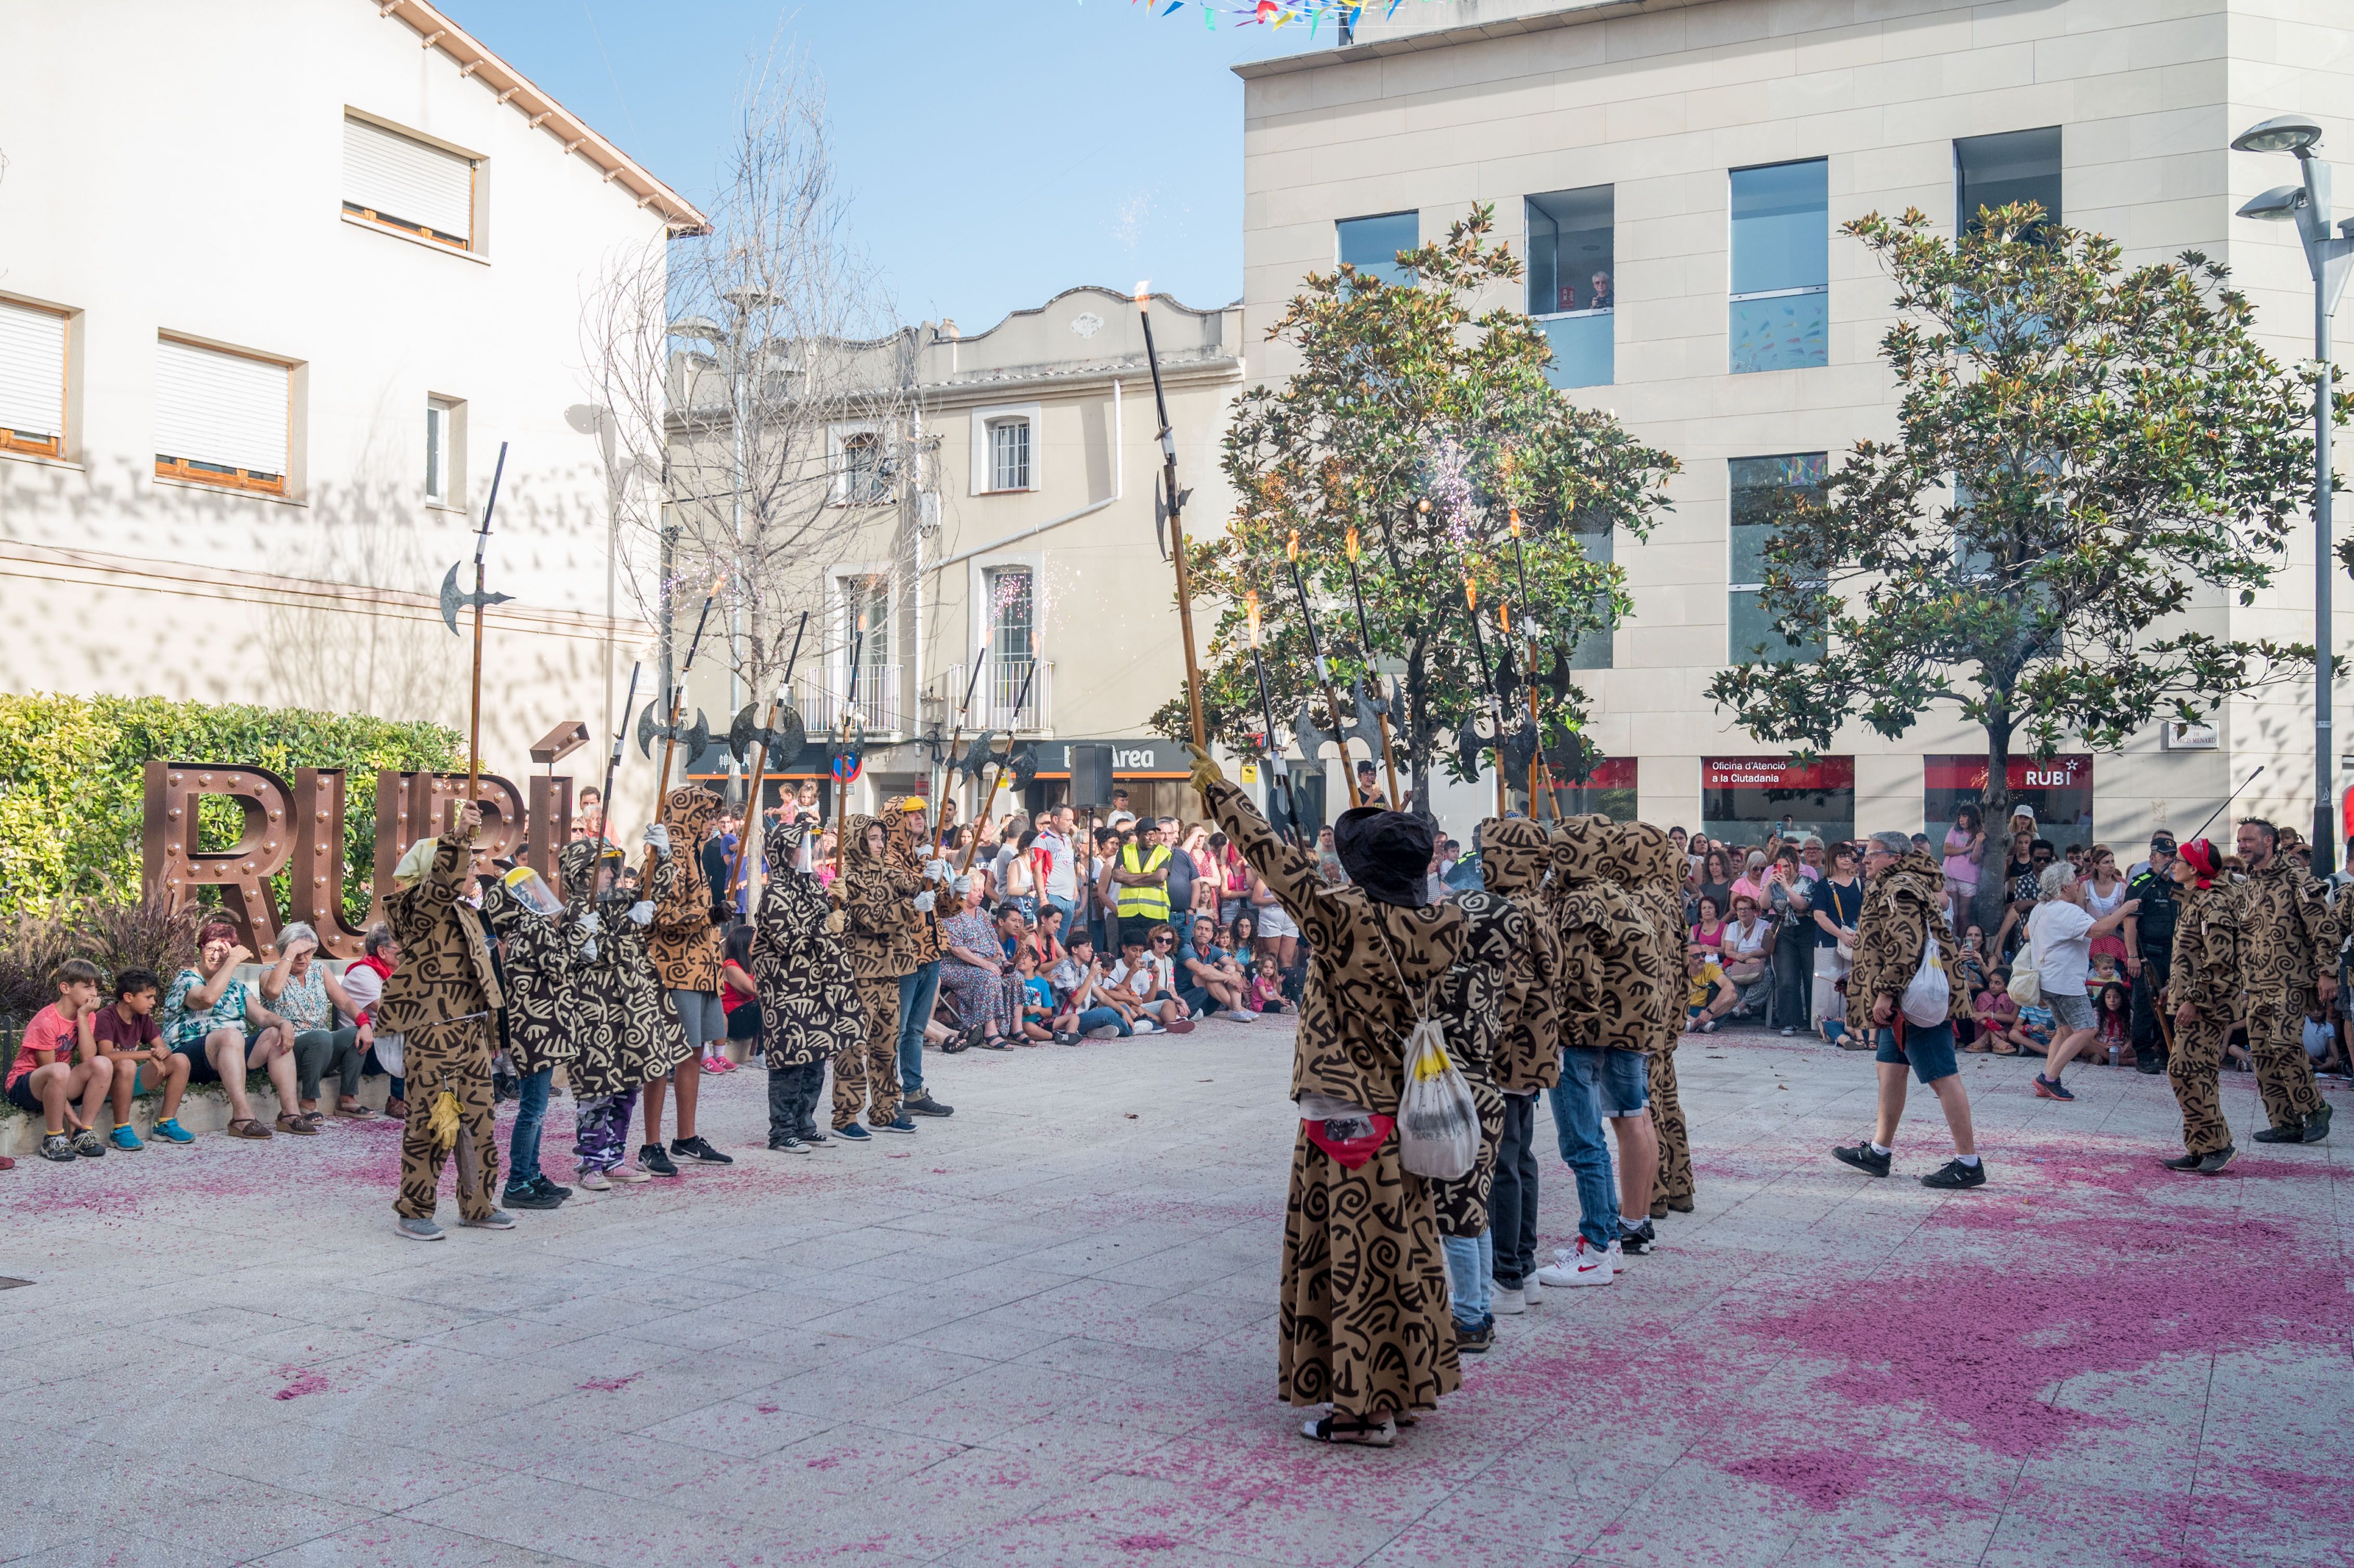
134, 1033
49, 1030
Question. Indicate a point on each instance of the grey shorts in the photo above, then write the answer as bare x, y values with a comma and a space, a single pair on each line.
2070, 1009
700, 1014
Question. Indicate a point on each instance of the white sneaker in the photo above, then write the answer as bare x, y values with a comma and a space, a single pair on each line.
1617, 1260
625, 1171
1576, 1267
1506, 1303
596, 1181
1146, 1026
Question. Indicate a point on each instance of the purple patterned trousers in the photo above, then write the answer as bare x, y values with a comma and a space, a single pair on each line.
601, 1138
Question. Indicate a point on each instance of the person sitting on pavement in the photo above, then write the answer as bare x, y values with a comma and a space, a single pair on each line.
57, 1061
301, 990
211, 1017
128, 1036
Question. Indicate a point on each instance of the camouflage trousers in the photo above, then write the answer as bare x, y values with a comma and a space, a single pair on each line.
2283, 1072
455, 1057
2193, 1065
868, 1071
1675, 1179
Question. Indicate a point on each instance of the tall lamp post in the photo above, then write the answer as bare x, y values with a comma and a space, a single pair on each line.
2327, 256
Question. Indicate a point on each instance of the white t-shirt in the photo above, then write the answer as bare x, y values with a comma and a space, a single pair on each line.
1750, 945
1062, 870
1162, 972
2062, 935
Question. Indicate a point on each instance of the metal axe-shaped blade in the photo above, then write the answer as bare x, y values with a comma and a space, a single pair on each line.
1467, 747
696, 737
1558, 682
976, 755
1575, 756
1367, 706
1507, 675
1519, 748
1023, 767
1312, 741
783, 743
453, 599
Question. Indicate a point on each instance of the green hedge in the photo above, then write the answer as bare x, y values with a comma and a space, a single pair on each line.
72, 784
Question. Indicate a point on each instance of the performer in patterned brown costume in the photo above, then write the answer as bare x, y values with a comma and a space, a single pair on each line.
1474, 1000
623, 1030
2292, 968
2206, 988
537, 943
1645, 861
684, 943
1364, 1321
441, 1000
919, 987
810, 1013
880, 897
1512, 857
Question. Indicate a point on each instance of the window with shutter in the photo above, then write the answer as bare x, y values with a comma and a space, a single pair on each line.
222, 418
32, 379
406, 183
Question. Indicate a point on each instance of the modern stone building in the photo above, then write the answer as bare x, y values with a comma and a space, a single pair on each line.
1676, 173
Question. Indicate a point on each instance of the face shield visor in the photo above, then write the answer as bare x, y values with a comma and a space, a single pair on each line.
531, 890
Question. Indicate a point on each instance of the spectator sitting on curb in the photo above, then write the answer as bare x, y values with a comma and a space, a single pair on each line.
45, 1077
127, 1035
299, 989
210, 1017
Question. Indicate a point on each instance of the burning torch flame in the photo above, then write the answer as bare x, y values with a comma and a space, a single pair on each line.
1291, 551
1423, 505
1516, 522
1143, 293
1353, 543
1471, 596
1505, 614
1250, 604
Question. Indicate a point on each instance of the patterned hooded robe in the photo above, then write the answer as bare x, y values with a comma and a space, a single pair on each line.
1475, 999
879, 937
809, 1006
683, 941
910, 854
1902, 907
1643, 860
2292, 941
1364, 1321
624, 1029
1513, 851
2209, 972
537, 953
1610, 994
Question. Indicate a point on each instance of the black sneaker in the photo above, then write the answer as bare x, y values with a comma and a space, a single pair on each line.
2294, 1134
2316, 1126
924, 1104
2183, 1162
528, 1198
654, 1162
1637, 1240
56, 1146
2217, 1160
1954, 1174
540, 1183
504, 1087
814, 1138
1473, 1341
1862, 1157
787, 1145
696, 1149
2151, 1067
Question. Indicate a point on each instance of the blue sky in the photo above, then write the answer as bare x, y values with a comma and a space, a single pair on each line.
996, 153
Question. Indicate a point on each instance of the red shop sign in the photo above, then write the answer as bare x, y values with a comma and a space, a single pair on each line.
1777, 773
2071, 772
1610, 773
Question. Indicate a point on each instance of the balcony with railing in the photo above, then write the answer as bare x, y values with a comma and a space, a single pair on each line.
999, 701
823, 697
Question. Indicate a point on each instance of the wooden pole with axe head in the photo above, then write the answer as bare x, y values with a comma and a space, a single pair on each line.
1175, 500
787, 742
452, 602
670, 732
997, 771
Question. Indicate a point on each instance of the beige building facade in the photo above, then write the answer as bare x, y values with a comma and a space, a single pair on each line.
1008, 552
1676, 174
270, 299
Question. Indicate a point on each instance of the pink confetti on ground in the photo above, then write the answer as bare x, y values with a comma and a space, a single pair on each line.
609, 1385
1147, 1543
766, 1409
827, 1463
309, 1383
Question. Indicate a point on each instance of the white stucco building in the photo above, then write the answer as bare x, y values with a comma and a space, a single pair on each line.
276, 280
1676, 174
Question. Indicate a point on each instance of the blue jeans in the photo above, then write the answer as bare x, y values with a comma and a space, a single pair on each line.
918, 991
531, 1109
1069, 907
1577, 1122
1096, 1017
1470, 1261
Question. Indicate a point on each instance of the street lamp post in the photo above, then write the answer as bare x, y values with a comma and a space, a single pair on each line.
2327, 256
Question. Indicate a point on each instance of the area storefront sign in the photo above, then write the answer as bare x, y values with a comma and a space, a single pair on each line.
2070, 772
1778, 773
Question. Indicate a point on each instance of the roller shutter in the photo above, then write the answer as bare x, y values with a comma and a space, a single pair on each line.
219, 411
407, 183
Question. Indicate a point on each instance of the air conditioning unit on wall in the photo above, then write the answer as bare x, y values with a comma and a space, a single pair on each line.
2175, 735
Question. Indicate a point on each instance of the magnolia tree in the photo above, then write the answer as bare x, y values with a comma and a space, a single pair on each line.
1421, 445
2083, 452
750, 433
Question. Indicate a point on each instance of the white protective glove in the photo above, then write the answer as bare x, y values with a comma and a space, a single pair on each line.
589, 950
591, 922
938, 871
924, 901
658, 839
641, 912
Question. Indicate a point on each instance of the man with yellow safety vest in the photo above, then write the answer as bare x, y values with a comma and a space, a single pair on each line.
1142, 877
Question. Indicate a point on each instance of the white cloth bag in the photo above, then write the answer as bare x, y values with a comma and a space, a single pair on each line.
1929, 997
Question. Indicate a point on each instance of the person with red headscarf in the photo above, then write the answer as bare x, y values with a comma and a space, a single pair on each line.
2206, 986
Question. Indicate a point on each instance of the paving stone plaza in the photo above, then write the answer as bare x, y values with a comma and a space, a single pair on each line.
1040, 1333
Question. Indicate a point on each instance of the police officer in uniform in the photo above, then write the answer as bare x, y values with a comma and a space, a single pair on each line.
2149, 948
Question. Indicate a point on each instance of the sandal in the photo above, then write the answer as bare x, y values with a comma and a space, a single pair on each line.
1337, 1428
355, 1111
246, 1127
955, 1043
296, 1126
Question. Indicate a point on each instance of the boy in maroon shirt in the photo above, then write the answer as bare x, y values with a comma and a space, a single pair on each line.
127, 1036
